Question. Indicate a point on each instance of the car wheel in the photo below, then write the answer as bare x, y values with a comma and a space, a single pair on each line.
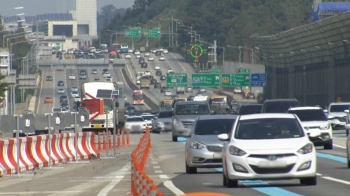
348, 162
311, 181
224, 181
190, 170
328, 145
231, 183
174, 139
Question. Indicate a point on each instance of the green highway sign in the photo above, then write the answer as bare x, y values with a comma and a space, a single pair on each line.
152, 33
205, 80
176, 80
235, 80
132, 33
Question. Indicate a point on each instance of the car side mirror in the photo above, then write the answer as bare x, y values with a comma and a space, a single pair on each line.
347, 126
223, 137
346, 111
325, 111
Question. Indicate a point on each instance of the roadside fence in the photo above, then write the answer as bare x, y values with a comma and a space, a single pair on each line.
104, 140
34, 151
141, 184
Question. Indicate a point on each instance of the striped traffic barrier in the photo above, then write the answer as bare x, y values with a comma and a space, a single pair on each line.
5, 161
82, 146
44, 148
55, 148
34, 154
66, 146
91, 145
110, 140
25, 155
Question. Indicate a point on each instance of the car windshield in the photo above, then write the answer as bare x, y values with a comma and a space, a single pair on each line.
134, 119
150, 117
191, 109
137, 96
339, 108
268, 128
213, 126
166, 114
130, 108
249, 109
309, 115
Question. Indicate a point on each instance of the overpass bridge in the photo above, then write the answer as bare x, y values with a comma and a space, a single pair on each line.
46, 64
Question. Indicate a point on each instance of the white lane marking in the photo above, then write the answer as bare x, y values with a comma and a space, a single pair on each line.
130, 88
318, 174
336, 145
154, 162
158, 171
156, 167
178, 62
111, 185
169, 184
132, 78
336, 180
162, 176
41, 192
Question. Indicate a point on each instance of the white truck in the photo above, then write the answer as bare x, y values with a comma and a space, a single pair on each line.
99, 123
180, 90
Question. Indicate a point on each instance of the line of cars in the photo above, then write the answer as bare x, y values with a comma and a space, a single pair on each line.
275, 140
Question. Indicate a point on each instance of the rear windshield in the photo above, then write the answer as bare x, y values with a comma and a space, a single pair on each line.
191, 109
213, 126
279, 106
309, 115
268, 128
252, 109
134, 119
166, 114
339, 108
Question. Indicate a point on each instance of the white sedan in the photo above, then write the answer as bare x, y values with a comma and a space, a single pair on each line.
128, 56
150, 58
161, 58
273, 146
165, 51
71, 76
135, 124
138, 56
168, 93
60, 91
77, 98
157, 67
138, 82
146, 54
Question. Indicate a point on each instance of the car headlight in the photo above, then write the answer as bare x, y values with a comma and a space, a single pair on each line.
308, 148
325, 126
160, 123
197, 145
236, 151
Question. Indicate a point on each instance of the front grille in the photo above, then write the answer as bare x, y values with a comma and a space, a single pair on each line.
214, 148
187, 124
312, 127
259, 170
341, 119
167, 123
264, 156
98, 121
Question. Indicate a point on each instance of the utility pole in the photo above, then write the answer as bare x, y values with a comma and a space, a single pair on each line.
215, 60
191, 34
172, 30
169, 34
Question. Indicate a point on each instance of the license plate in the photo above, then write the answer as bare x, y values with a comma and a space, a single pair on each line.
270, 164
97, 126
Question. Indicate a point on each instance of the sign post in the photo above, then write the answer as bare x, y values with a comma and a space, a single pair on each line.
176, 80
205, 79
49, 115
17, 138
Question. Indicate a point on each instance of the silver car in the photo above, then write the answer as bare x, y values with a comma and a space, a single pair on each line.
163, 122
203, 148
61, 91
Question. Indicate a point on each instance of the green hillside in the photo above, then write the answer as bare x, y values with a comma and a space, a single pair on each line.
230, 22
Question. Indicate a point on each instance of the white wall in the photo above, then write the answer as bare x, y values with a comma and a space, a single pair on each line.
86, 13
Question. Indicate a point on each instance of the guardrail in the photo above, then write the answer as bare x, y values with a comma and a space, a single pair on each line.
148, 101
141, 184
34, 153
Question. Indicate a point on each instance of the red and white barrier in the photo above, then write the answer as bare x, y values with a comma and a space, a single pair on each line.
25, 155
33, 144
91, 145
67, 146
55, 148
8, 157
83, 151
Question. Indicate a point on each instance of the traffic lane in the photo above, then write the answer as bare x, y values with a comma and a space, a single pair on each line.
70, 84
118, 76
171, 157
47, 90
73, 179
60, 76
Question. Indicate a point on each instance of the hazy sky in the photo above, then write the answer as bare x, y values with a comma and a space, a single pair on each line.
34, 7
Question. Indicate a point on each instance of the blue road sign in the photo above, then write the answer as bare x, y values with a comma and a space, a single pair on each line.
258, 79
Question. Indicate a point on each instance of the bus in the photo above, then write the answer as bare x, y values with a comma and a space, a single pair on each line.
138, 97
124, 48
99, 123
116, 47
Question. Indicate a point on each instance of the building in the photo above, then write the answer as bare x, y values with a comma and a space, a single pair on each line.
86, 16
322, 9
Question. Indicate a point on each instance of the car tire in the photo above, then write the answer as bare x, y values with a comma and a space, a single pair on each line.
310, 181
328, 145
224, 181
190, 170
174, 139
231, 183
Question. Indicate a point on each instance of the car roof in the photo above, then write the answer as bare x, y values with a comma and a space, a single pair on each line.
190, 102
340, 103
219, 116
267, 115
251, 105
274, 100
135, 116
306, 108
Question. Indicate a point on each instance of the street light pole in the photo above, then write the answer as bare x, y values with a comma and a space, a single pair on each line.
172, 30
